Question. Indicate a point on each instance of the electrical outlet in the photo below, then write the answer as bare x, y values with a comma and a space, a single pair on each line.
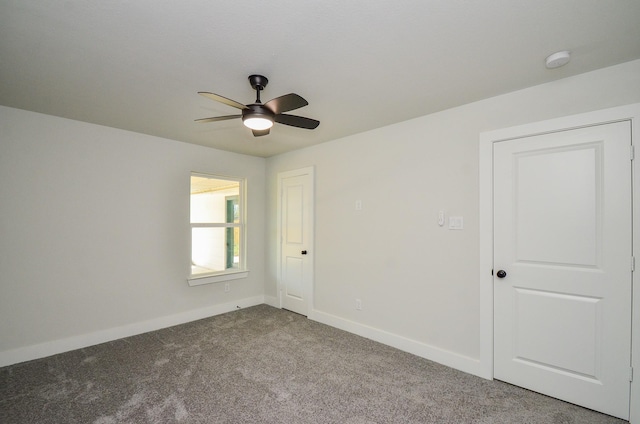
358, 304
227, 287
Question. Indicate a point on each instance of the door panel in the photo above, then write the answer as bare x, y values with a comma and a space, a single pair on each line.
294, 205
554, 200
562, 233
581, 318
292, 278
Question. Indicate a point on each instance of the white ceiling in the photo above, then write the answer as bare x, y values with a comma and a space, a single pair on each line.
361, 64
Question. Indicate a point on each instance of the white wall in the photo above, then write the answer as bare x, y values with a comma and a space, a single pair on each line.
94, 233
419, 282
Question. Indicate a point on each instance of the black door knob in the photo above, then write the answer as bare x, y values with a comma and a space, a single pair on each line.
501, 274
304, 252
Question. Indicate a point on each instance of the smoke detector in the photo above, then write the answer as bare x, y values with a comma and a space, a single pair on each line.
558, 59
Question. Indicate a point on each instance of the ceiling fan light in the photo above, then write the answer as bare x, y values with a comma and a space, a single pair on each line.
257, 123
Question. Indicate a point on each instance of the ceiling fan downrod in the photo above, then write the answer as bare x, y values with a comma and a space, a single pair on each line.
258, 83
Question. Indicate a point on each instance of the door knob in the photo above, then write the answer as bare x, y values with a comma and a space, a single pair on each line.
304, 252
501, 274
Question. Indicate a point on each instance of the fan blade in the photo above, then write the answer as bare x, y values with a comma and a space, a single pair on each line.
221, 99
286, 103
297, 121
218, 118
260, 133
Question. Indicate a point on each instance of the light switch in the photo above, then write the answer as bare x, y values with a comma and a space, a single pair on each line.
456, 223
441, 218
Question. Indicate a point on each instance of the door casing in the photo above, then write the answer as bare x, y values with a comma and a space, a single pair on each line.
623, 113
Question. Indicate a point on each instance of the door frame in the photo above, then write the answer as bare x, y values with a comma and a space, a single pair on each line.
623, 113
309, 257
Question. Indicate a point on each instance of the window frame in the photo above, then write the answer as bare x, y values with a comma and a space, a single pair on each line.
231, 273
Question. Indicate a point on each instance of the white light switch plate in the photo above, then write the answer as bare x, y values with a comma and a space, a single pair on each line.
456, 223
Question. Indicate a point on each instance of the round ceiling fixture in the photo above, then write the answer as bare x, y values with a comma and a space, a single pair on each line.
558, 59
257, 117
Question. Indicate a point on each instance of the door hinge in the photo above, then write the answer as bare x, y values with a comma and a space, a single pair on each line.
633, 263
630, 373
633, 152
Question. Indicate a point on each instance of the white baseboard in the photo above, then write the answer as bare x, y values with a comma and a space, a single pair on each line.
54, 347
435, 354
444, 357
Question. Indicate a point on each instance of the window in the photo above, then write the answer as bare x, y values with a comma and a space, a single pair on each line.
217, 229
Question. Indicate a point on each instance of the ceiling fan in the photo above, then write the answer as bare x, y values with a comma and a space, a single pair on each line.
260, 117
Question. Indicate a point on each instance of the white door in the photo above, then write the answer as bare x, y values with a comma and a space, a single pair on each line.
296, 236
562, 235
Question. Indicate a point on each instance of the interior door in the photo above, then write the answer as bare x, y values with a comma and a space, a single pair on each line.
296, 231
563, 263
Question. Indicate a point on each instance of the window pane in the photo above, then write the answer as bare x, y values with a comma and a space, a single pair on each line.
214, 249
210, 200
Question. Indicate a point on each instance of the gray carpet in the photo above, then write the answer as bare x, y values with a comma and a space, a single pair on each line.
262, 365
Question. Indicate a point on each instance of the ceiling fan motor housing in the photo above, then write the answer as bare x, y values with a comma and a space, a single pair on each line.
257, 111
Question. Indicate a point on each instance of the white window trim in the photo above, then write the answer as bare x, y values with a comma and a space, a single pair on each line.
217, 278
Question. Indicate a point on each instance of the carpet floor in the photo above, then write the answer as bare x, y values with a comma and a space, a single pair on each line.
262, 365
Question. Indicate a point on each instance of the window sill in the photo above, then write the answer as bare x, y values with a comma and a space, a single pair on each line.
217, 278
